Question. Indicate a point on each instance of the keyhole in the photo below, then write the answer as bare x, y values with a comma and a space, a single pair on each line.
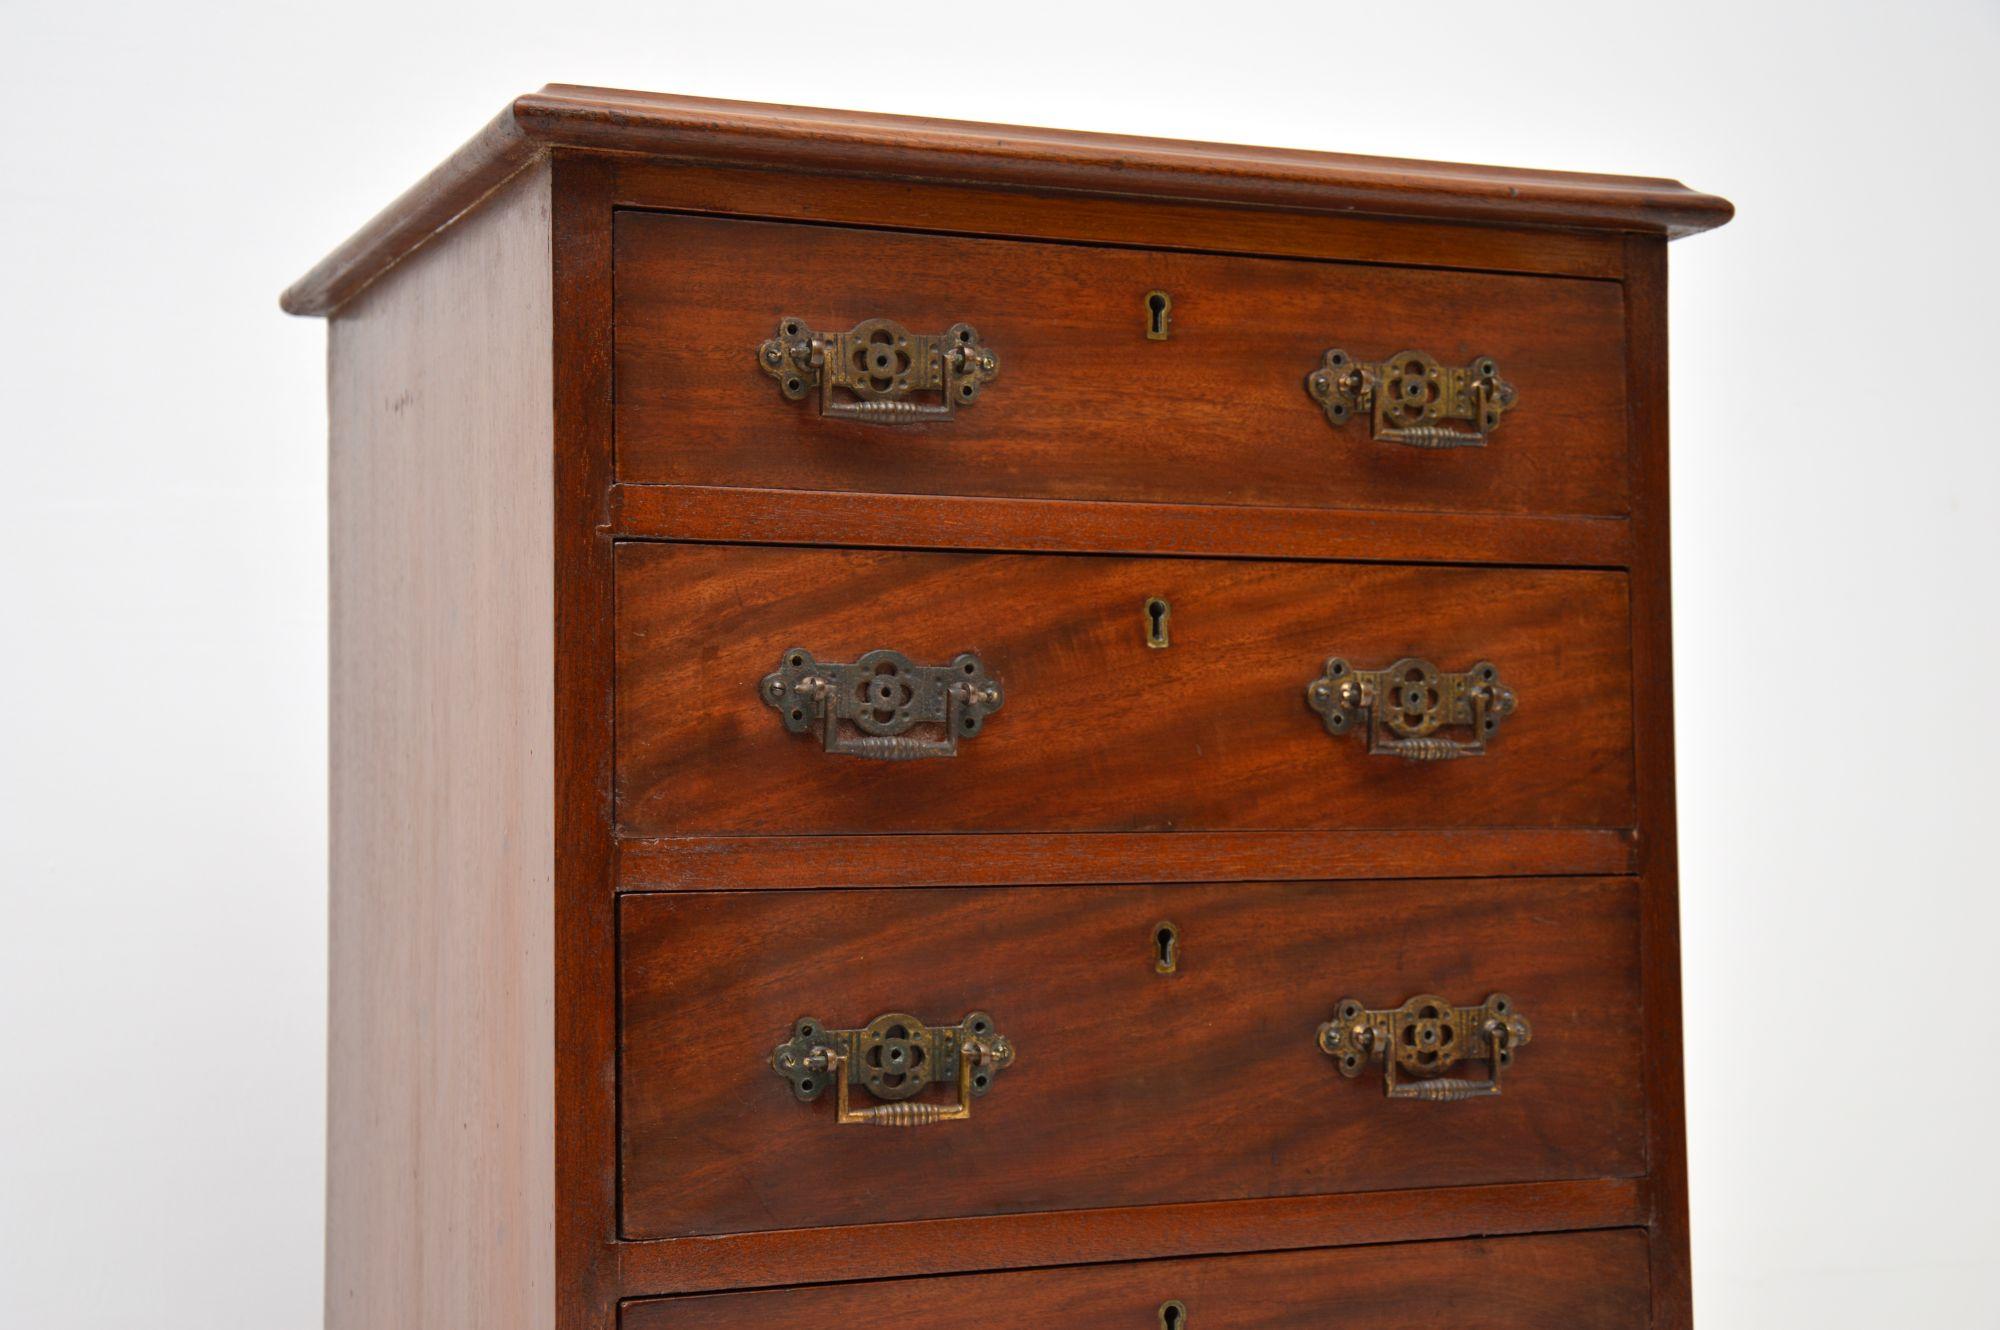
1173, 1316
1166, 948
1159, 312
1157, 614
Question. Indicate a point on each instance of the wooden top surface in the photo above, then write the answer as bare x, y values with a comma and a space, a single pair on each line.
918, 148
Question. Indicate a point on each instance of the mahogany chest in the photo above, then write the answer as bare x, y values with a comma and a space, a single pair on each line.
938, 724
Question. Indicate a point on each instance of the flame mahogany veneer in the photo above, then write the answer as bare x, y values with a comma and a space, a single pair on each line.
585, 879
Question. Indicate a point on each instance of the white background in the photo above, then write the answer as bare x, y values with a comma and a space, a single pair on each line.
166, 168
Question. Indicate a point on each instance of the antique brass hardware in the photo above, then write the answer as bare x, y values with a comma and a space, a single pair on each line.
1404, 705
1159, 316
868, 709
872, 371
1166, 947
1173, 1315
894, 1057
1411, 394
1423, 1039
1159, 617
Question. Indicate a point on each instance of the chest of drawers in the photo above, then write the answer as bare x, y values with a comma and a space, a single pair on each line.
948, 725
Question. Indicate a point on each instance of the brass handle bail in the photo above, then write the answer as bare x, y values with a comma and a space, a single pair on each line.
1410, 397
893, 1058
884, 705
1419, 1041
1402, 708
878, 371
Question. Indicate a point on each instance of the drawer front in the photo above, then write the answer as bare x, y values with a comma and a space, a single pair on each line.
1096, 729
1571, 1281
1127, 1086
1085, 404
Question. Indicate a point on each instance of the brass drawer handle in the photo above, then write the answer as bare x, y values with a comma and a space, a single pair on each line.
894, 1057
872, 371
868, 709
1410, 395
1424, 1038
1402, 707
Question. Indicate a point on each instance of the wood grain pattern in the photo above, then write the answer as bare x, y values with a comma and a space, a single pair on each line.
925, 148
911, 521
753, 863
1131, 1088
489, 629
656, 185
1582, 1281
440, 1170
1076, 1237
921, 149
1086, 407
1100, 732
1653, 656
587, 1286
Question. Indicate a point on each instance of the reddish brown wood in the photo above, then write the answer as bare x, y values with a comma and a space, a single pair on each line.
462, 182
440, 1066
809, 517
1583, 1281
585, 920
922, 148
1017, 858
1653, 682
649, 183
914, 148
1131, 1088
473, 1159
1086, 407
1099, 731
1072, 1237
804, 517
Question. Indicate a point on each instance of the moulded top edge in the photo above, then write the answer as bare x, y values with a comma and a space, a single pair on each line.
919, 148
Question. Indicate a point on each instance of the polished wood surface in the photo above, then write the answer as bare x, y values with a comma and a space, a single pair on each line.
1585, 1281
550, 760
1100, 732
780, 863
1131, 1087
1653, 680
441, 1133
588, 1284
652, 184
1147, 1232
913, 148
816, 517
1085, 406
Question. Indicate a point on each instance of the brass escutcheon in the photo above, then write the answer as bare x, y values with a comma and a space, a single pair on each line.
894, 1057
1423, 1039
1410, 396
872, 371
1402, 707
868, 709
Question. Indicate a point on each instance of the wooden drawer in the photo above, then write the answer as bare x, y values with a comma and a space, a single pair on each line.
1129, 1087
1085, 405
1574, 1281
1098, 730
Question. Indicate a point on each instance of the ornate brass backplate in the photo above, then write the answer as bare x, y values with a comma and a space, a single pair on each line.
1402, 707
894, 1057
873, 371
868, 709
1423, 1039
1411, 396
